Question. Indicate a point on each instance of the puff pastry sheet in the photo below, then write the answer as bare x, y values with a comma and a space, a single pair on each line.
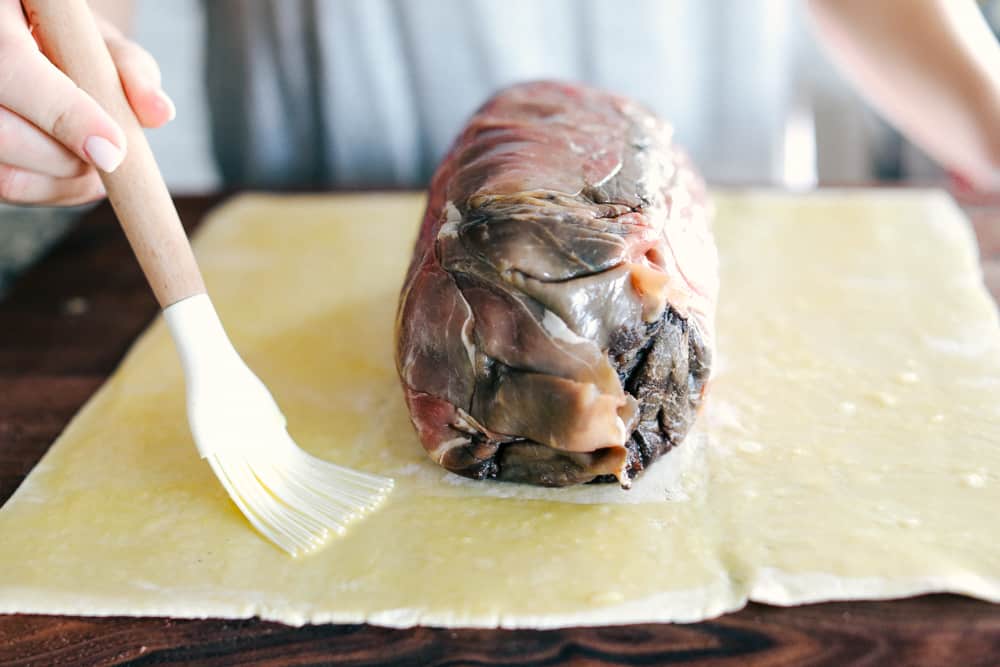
850, 448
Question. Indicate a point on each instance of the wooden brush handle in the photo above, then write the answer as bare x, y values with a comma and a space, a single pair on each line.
70, 38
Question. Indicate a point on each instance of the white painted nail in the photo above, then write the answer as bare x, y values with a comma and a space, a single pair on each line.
169, 104
104, 154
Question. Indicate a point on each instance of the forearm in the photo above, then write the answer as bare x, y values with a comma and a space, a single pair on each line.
932, 67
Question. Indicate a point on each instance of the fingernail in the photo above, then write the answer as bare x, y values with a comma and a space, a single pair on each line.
168, 104
103, 153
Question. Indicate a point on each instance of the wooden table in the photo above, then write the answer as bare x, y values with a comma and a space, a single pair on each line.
67, 323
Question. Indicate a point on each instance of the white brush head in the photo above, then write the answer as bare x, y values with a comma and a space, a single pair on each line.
294, 499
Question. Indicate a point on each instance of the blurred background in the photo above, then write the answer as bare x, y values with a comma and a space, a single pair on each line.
799, 124
750, 93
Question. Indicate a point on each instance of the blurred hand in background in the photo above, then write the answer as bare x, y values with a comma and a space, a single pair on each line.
931, 67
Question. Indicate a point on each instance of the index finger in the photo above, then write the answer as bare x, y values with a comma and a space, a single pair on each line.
32, 87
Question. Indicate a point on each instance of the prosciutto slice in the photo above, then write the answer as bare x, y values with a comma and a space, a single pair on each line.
556, 324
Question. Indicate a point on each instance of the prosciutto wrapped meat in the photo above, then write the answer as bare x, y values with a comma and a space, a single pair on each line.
556, 323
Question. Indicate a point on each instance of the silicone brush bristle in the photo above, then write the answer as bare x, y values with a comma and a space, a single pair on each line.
294, 499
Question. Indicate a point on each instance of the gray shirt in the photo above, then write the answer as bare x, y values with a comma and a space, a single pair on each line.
371, 92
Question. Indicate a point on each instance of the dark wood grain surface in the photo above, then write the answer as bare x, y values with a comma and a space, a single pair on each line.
67, 323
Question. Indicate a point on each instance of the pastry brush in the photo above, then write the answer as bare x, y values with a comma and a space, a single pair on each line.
294, 499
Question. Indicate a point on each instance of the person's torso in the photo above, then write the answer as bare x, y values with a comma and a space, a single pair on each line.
372, 92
